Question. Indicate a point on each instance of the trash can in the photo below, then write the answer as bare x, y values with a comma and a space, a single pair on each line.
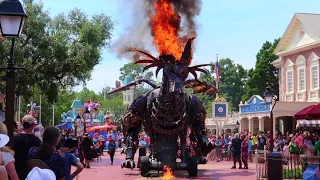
274, 164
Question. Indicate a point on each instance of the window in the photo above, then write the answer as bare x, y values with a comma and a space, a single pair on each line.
289, 81
129, 98
302, 81
314, 77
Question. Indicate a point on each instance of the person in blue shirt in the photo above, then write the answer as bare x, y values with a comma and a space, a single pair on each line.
219, 145
68, 150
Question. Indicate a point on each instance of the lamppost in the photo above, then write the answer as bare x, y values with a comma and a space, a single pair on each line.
12, 18
269, 96
86, 115
77, 120
238, 126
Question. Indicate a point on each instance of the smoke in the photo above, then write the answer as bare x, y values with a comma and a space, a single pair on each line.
188, 10
138, 35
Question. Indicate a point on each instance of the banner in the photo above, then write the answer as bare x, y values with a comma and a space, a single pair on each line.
220, 110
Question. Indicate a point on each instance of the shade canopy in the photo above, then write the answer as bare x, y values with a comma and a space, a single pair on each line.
308, 113
308, 124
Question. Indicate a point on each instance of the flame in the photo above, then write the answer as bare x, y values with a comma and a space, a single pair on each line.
165, 25
167, 173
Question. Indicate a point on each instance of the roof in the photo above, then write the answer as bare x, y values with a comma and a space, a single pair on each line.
77, 103
127, 80
310, 21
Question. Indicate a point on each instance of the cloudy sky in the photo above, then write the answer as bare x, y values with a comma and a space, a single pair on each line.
231, 28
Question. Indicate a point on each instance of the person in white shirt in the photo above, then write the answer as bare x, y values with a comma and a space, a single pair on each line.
8, 156
286, 152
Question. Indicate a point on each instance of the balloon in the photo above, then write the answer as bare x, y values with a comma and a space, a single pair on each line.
299, 140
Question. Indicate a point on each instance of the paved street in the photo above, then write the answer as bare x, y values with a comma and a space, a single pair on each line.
216, 171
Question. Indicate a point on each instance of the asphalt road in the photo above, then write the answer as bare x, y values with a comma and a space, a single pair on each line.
103, 170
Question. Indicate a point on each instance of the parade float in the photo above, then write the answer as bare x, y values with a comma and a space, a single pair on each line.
81, 117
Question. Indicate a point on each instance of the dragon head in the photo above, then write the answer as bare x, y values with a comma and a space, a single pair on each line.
175, 72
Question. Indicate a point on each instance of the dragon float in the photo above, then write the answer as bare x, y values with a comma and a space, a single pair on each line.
167, 113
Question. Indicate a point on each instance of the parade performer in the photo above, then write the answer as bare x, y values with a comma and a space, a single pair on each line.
111, 150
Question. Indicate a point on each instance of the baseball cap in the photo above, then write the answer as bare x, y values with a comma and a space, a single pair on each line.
4, 139
28, 119
41, 174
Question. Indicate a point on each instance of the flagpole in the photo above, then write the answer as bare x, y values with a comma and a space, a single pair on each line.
217, 82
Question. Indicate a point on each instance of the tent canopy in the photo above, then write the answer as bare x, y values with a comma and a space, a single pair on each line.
308, 124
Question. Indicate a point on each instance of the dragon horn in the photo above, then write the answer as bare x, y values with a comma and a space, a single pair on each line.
145, 53
187, 53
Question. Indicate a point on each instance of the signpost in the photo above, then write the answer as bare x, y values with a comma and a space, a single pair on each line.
220, 113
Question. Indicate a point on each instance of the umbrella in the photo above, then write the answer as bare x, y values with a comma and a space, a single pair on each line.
310, 173
309, 113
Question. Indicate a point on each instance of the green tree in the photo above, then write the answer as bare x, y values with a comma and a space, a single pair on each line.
58, 52
264, 74
232, 82
135, 71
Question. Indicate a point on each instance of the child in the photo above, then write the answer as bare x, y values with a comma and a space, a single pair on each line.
285, 152
70, 146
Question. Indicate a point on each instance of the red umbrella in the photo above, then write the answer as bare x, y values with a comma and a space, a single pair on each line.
309, 113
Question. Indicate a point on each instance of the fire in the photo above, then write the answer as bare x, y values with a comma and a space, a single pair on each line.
165, 25
167, 173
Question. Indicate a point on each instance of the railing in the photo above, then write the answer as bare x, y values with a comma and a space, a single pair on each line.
292, 166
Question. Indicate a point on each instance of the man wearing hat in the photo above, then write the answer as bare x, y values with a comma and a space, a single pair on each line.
22, 142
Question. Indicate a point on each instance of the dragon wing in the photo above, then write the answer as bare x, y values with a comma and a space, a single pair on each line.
133, 83
200, 86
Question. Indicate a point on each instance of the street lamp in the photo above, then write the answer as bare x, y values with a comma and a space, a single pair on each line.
12, 18
269, 96
86, 115
238, 125
77, 120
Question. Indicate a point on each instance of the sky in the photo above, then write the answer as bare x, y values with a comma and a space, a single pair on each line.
231, 28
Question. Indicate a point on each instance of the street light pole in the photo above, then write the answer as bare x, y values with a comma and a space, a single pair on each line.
270, 97
12, 18
10, 91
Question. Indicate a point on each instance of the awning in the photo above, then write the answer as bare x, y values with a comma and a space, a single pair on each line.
308, 124
289, 108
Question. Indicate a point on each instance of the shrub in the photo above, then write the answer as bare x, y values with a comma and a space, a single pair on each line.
292, 173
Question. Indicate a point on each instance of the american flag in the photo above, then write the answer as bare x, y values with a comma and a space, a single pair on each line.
217, 70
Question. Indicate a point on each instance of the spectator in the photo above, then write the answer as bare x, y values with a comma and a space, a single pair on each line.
46, 152
4, 139
244, 151
70, 159
219, 145
8, 155
87, 150
22, 142
294, 148
236, 151
262, 141
286, 152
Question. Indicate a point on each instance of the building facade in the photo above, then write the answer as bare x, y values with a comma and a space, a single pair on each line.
298, 65
254, 115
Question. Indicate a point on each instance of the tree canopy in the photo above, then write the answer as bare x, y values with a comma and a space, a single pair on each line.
264, 74
58, 52
135, 71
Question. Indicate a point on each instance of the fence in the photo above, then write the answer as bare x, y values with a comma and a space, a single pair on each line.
292, 166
